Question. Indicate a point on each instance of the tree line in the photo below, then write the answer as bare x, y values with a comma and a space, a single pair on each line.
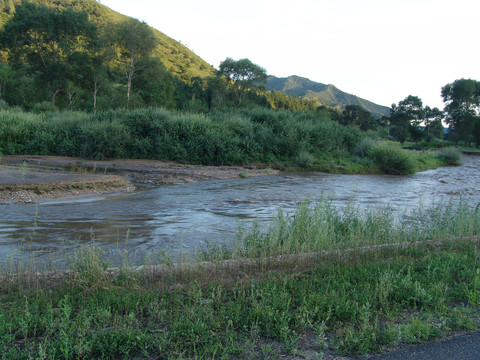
53, 59
410, 120
59, 59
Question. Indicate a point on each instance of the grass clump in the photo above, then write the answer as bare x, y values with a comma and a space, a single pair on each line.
392, 159
304, 159
450, 156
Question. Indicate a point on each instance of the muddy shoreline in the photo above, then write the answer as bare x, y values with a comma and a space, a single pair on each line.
28, 179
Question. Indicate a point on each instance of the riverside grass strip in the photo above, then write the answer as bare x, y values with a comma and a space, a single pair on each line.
280, 304
344, 305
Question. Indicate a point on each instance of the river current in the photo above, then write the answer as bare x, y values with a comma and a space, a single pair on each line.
180, 218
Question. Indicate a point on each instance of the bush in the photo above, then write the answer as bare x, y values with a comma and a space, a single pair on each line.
304, 159
363, 147
43, 107
391, 159
450, 156
3, 105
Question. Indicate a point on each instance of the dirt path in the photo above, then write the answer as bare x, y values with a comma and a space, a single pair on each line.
28, 178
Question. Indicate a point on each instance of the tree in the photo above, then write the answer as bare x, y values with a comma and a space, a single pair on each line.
356, 115
47, 41
6, 78
408, 113
132, 41
155, 84
432, 118
243, 75
462, 99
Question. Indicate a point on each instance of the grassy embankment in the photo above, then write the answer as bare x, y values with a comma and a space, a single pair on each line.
438, 144
342, 294
282, 139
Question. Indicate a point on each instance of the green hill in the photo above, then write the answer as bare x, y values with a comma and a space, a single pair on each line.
177, 58
327, 95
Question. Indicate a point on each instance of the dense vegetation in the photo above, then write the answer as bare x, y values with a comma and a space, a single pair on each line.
217, 138
353, 301
86, 57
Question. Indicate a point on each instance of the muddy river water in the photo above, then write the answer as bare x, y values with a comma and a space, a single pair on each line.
183, 217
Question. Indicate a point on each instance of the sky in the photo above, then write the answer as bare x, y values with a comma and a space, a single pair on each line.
379, 50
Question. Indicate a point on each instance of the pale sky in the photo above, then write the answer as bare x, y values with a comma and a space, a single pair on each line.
380, 50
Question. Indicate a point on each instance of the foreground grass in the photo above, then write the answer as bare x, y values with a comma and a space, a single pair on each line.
265, 301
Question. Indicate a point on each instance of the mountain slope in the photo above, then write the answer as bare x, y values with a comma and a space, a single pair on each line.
327, 95
177, 58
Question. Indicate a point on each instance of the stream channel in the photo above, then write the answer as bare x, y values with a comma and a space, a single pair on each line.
180, 218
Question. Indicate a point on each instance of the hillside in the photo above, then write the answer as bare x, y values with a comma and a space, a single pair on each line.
327, 95
177, 58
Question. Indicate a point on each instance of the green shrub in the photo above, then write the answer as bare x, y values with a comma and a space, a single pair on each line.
304, 159
3, 105
43, 107
450, 156
363, 147
391, 159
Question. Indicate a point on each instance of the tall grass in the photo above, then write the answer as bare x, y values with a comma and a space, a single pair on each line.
228, 137
319, 226
450, 156
391, 159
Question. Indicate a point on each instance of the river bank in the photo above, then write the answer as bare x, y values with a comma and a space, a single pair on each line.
26, 179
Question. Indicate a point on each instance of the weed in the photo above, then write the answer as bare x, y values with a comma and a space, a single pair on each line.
24, 168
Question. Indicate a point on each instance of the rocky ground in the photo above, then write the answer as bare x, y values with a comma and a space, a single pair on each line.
30, 178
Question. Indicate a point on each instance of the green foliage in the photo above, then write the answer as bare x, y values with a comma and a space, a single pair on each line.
304, 159
48, 41
220, 137
450, 156
391, 159
406, 116
244, 75
462, 99
364, 147
130, 41
356, 115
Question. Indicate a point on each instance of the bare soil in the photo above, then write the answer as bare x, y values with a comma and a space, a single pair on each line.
28, 178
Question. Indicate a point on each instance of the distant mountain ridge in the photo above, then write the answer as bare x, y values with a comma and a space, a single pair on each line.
328, 95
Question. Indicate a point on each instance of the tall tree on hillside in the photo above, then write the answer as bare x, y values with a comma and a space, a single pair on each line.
244, 75
47, 40
155, 84
462, 106
408, 113
132, 41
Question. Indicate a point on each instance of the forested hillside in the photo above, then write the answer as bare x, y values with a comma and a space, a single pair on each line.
177, 58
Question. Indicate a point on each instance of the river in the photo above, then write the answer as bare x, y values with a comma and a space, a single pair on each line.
180, 218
